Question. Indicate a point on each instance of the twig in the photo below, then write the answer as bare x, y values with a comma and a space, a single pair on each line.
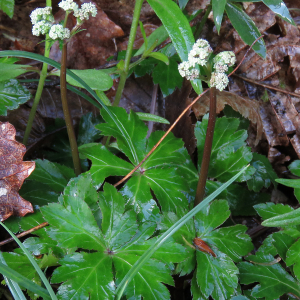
24, 233
163, 137
270, 87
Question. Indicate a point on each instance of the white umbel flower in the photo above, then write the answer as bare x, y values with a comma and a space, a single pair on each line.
224, 60
219, 80
85, 11
187, 70
58, 32
40, 14
200, 53
68, 5
41, 27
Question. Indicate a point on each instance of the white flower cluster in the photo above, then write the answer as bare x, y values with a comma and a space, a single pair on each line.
40, 14
68, 5
198, 56
222, 61
59, 32
85, 11
42, 19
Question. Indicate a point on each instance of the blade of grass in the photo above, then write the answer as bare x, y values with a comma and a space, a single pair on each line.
136, 267
33, 262
12, 285
17, 279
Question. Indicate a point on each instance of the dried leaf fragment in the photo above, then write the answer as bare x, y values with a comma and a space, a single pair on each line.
13, 172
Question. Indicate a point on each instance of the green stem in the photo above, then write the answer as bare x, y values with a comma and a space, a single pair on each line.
40, 88
207, 147
124, 73
67, 115
201, 24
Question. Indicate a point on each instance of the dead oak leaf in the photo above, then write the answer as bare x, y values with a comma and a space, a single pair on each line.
13, 172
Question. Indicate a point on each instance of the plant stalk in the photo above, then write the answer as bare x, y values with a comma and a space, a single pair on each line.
207, 147
124, 73
67, 115
38, 94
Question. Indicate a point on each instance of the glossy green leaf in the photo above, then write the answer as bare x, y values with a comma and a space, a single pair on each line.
264, 174
228, 153
280, 9
54, 175
245, 28
273, 280
8, 7
178, 28
167, 77
269, 210
282, 242
73, 218
12, 94
290, 218
96, 79
85, 277
218, 7
10, 71
152, 118
216, 277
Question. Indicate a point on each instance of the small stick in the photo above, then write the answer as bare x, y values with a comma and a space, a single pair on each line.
24, 233
270, 87
158, 143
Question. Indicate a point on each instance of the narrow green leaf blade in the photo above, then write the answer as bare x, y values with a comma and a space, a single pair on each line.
218, 7
152, 118
160, 56
25, 282
245, 28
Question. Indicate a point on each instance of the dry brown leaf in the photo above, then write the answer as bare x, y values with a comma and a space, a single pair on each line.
13, 172
246, 107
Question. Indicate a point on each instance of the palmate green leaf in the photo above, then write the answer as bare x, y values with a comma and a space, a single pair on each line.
12, 94
167, 77
91, 275
8, 7
245, 28
86, 276
72, 221
160, 172
229, 153
273, 280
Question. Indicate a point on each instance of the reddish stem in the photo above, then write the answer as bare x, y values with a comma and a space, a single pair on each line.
207, 147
